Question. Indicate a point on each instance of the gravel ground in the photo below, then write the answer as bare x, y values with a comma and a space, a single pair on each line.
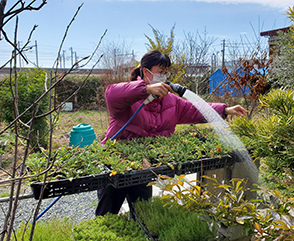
77, 206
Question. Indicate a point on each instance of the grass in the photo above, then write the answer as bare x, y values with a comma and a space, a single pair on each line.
67, 120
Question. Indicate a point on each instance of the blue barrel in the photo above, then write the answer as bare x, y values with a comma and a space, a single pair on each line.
82, 135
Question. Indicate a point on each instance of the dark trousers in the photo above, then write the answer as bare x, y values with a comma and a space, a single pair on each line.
111, 199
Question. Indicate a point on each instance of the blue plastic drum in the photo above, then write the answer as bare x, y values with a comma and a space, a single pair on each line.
82, 135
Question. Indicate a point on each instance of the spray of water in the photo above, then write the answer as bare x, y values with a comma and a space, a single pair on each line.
225, 134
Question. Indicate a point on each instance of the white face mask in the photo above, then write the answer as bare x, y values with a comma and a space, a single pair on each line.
157, 78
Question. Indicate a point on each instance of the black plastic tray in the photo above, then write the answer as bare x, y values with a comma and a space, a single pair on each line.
136, 177
205, 164
68, 186
129, 178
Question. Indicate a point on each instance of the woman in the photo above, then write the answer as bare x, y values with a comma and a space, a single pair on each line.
158, 117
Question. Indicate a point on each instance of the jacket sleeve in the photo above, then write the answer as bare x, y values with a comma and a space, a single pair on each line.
122, 95
188, 114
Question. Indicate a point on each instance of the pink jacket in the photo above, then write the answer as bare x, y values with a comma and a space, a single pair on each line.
159, 117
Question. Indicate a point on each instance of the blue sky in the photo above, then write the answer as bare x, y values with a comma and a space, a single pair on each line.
128, 21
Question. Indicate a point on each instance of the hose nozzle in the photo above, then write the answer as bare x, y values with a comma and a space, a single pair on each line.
180, 90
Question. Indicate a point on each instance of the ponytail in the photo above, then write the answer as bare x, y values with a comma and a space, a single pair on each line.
135, 73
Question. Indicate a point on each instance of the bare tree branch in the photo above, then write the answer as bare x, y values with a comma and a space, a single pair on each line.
2, 7
11, 13
17, 180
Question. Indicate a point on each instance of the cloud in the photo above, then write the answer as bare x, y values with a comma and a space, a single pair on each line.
281, 4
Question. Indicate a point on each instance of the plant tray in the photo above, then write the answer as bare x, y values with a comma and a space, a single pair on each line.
205, 164
137, 177
68, 187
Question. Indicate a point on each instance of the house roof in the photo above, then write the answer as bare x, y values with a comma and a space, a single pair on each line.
274, 31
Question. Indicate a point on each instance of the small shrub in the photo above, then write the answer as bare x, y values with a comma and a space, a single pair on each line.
271, 136
30, 86
109, 227
54, 229
175, 223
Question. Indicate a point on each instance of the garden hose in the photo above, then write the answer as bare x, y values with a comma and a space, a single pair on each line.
41, 214
148, 100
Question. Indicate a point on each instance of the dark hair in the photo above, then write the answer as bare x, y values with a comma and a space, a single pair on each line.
149, 60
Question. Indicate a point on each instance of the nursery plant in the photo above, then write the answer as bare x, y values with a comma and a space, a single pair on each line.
109, 227
228, 214
272, 135
56, 229
120, 156
175, 223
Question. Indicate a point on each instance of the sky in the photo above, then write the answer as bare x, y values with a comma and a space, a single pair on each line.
128, 21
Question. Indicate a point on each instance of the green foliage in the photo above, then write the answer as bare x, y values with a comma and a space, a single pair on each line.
175, 223
55, 229
272, 136
110, 227
224, 207
120, 156
30, 86
161, 42
7, 140
290, 13
4, 194
217, 210
91, 92
66, 162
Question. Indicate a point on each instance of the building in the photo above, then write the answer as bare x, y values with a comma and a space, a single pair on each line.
273, 36
218, 81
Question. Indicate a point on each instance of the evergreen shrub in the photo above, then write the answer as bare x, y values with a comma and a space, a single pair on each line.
30, 86
171, 223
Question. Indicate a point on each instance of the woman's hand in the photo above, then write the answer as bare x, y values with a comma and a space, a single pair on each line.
236, 110
159, 89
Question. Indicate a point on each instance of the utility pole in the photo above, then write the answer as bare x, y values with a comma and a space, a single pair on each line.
60, 61
36, 48
223, 53
71, 55
63, 56
76, 58
213, 62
